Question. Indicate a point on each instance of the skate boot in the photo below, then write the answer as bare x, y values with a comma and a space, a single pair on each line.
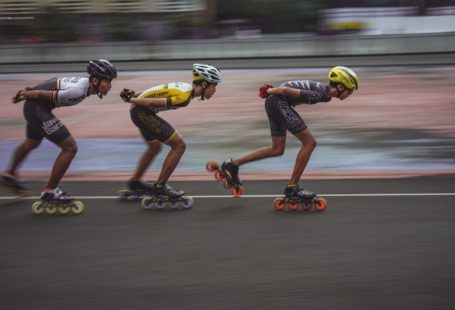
136, 190
295, 197
228, 173
14, 186
164, 194
57, 201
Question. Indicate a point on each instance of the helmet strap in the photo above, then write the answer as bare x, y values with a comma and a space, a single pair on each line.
97, 86
339, 92
204, 87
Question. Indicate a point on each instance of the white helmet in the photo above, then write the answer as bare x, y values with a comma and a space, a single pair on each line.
207, 73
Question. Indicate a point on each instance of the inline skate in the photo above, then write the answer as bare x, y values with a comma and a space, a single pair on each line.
136, 190
228, 173
164, 195
14, 186
295, 197
57, 202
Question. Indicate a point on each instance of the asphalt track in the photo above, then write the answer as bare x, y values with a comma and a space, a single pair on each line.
381, 244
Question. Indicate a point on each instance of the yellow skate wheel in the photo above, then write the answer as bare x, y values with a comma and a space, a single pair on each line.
211, 166
64, 209
279, 204
77, 207
37, 207
50, 208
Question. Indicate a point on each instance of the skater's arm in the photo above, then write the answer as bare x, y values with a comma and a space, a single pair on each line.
150, 102
283, 91
33, 94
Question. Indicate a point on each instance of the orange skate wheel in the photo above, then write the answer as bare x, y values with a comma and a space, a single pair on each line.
226, 184
279, 204
320, 204
293, 206
219, 175
237, 191
211, 166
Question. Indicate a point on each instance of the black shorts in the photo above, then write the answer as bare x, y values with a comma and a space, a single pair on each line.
151, 126
41, 123
282, 116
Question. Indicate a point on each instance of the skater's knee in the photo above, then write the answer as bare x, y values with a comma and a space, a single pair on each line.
69, 146
32, 144
277, 151
180, 146
310, 144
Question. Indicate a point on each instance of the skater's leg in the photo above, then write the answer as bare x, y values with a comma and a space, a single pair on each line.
63, 161
173, 157
308, 145
154, 147
20, 153
277, 149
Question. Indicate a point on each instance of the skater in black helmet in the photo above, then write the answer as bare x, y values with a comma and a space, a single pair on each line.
279, 105
40, 100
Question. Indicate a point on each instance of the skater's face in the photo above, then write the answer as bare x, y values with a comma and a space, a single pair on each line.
344, 92
210, 91
104, 86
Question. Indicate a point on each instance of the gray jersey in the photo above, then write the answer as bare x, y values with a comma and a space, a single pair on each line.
66, 91
311, 92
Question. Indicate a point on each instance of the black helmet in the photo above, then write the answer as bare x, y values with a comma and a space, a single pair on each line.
101, 68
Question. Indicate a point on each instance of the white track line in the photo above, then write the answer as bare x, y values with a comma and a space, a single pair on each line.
259, 196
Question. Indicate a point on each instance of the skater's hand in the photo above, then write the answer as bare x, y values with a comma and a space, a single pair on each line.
263, 90
19, 96
126, 94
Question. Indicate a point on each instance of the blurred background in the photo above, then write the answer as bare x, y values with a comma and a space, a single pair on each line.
75, 30
400, 120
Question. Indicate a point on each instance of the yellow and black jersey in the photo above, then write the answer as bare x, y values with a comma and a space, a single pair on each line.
177, 94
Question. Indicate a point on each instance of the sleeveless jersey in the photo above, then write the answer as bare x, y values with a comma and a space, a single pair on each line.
310, 92
177, 94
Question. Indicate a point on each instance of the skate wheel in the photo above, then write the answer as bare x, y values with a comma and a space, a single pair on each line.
77, 207
226, 184
279, 204
293, 206
50, 208
320, 204
147, 203
306, 206
123, 194
37, 207
64, 209
174, 205
161, 205
187, 202
219, 175
211, 166
237, 191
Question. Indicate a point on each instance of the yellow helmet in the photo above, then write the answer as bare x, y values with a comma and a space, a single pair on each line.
344, 76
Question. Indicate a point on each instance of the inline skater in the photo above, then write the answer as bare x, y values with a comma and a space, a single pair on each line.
279, 105
144, 110
40, 100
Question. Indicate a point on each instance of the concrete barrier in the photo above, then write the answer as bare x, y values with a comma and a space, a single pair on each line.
273, 46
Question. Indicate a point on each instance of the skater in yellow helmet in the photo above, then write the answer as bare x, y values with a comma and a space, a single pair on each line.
279, 105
